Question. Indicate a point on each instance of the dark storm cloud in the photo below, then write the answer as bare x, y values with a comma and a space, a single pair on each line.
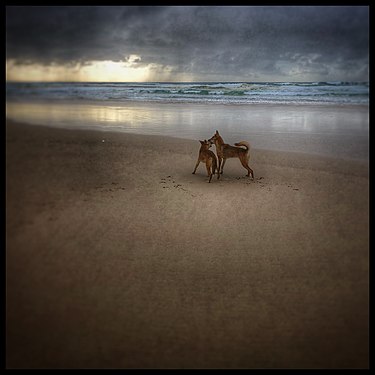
227, 42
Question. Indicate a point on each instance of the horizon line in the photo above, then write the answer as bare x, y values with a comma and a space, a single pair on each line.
220, 81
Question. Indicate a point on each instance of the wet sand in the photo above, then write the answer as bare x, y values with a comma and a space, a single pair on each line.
340, 131
118, 257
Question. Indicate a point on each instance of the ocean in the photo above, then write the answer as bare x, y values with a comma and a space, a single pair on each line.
198, 92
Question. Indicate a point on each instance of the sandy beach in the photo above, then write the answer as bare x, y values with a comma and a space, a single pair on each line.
118, 257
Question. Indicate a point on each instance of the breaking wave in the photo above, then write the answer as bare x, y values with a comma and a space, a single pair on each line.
204, 92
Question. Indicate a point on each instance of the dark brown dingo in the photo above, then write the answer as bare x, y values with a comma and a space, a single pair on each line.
208, 157
225, 151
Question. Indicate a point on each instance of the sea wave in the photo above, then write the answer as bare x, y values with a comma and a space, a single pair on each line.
217, 92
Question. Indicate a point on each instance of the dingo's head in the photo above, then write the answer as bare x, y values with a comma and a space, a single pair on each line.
205, 144
215, 137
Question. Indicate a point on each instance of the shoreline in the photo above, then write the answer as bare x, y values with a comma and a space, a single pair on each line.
328, 130
141, 102
118, 257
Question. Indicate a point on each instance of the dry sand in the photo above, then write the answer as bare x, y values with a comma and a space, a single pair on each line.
118, 257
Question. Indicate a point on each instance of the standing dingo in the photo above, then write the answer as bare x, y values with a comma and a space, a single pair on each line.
208, 157
225, 151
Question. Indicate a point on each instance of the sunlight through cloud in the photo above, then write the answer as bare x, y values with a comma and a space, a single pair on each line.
99, 71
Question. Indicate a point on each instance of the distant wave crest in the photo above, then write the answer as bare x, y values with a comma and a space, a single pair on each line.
217, 92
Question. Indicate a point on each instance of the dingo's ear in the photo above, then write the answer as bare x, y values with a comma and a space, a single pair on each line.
201, 142
217, 132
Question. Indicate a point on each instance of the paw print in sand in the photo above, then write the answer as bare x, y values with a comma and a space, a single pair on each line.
170, 183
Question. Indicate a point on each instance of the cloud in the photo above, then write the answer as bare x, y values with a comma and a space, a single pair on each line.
233, 43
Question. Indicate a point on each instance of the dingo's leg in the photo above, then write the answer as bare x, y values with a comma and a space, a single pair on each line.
249, 170
196, 166
219, 161
208, 167
222, 165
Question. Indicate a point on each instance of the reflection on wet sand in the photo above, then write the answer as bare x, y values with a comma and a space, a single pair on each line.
331, 130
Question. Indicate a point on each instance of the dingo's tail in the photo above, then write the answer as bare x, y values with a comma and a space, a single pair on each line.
243, 143
247, 145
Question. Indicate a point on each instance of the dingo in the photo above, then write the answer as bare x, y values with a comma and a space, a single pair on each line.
225, 151
208, 157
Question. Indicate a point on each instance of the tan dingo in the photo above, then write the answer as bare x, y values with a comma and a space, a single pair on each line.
208, 157
225, 151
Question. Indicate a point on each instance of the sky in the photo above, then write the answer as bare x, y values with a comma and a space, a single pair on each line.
187, 43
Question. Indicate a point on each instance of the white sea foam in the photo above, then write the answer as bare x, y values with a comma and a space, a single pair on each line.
217, 92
